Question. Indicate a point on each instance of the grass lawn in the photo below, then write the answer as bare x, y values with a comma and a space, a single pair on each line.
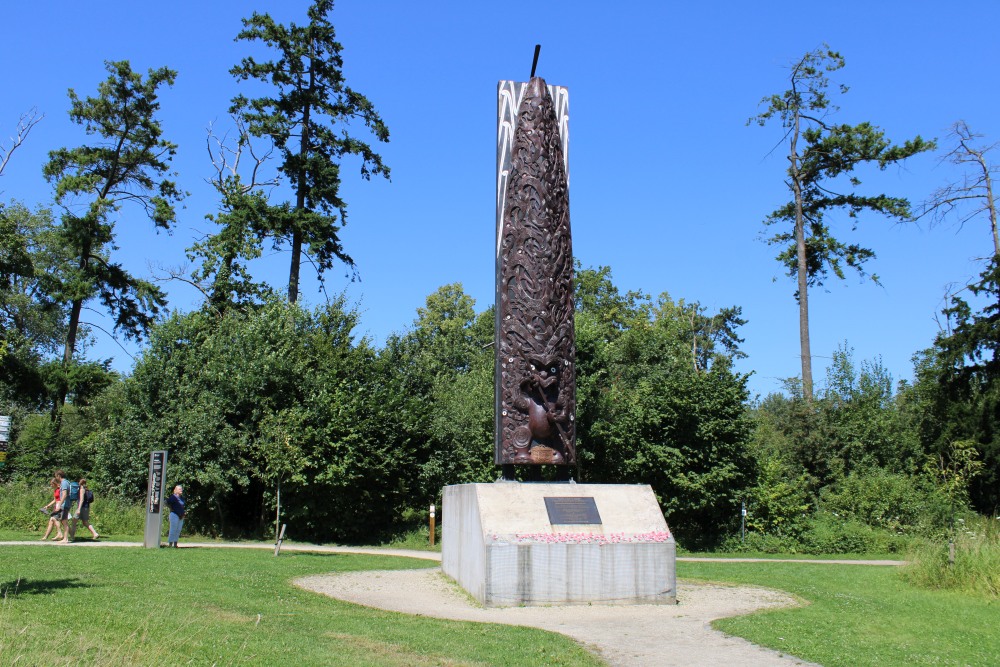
860, 615
65, 605
117, 606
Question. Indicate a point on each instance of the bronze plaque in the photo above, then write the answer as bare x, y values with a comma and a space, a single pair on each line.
572, 510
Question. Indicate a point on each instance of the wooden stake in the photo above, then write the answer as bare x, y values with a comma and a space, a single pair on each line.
432, 525
281, 538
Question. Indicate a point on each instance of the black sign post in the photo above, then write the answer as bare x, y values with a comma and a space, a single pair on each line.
154, 499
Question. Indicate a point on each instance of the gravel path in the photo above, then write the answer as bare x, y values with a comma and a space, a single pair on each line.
632, 635
413, 553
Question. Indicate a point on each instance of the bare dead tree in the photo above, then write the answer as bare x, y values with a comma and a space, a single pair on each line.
162, 274
943, 318
973, 194
226, 158
238, 160
27, 121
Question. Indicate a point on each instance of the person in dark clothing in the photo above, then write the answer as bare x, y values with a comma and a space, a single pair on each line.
83, 508
176, 503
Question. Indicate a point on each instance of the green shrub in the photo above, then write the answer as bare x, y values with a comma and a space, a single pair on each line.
38, 444
894, 502
831, 534
977, 560
762, 543
823, 533
778, 505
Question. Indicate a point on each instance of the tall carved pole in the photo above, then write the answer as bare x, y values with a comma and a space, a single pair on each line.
535, 362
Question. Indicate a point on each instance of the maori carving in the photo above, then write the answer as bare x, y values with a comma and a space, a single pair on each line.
536, 383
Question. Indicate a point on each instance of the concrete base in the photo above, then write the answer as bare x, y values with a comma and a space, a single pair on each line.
498, 543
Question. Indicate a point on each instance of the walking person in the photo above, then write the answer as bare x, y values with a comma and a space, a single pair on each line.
83, 507
64, 506
53, 515
176, 503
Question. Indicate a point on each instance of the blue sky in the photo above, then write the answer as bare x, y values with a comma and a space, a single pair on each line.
668, 184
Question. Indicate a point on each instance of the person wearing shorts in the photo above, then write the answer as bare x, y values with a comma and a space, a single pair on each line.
83, 509
53, 517
64, 506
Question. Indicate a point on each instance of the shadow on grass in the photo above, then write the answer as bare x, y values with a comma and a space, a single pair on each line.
13, 589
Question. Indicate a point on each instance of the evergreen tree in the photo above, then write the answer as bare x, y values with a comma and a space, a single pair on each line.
307, 118
957, 387
827, 152
126, 169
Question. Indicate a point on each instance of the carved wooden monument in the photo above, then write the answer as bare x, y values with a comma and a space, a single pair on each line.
545, 543
535, 379
535, 350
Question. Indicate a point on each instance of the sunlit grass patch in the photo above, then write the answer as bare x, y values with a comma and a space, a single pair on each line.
229, 607
859, 615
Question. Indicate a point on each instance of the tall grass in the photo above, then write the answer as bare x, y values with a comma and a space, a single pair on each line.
977, 560
21, 500
417, 539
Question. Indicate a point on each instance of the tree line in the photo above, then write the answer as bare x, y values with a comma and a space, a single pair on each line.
256, 395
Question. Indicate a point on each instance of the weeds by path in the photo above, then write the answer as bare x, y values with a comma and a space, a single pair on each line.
976, 566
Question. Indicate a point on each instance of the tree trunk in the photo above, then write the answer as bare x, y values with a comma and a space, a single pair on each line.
694, 344
74, 325
300, 194
803, 269
293, 272
990, 204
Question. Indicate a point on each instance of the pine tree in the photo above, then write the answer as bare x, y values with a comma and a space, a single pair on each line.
307, 119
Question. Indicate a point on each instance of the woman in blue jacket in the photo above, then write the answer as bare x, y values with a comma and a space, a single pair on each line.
176, 503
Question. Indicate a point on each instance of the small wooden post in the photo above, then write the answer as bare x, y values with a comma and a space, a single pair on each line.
743, 521
281, 538
432, 525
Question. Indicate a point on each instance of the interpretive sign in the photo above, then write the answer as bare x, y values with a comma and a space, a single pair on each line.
572, 510
154, 499
4, 438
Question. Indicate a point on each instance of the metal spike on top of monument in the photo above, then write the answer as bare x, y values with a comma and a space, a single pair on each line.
535, 364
